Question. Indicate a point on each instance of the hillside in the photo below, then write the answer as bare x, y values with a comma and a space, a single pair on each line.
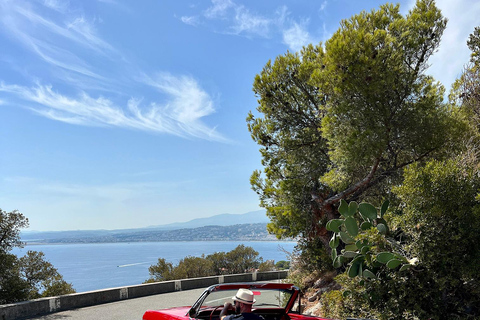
222, 227
244, 232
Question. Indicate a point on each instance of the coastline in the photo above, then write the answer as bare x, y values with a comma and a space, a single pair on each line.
94, 266
30, 243
239, 232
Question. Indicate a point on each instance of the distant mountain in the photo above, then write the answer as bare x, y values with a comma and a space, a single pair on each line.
226, 219
196, 229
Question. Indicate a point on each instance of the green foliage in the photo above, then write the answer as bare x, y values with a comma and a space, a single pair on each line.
438, 226
162, 271
442, 210
473, 44
342, 120
351, 303
42, 277
466, 90
381, 107
364, 247
219, 262
311, 255
293, 151
192, 267
282, 265
239, 260
56, 286
436, 222
350, 120
332, 304
10, 225
28, 277
266, 266
13, 287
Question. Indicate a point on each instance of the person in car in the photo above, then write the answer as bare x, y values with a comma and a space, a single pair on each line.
242, 305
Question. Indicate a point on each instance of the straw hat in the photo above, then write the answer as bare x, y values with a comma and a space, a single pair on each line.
244, 296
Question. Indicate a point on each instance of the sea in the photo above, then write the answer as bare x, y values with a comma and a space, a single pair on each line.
94, 266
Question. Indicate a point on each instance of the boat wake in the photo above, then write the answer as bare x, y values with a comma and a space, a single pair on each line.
131, 264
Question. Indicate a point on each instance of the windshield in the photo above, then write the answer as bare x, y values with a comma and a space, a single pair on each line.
264, 298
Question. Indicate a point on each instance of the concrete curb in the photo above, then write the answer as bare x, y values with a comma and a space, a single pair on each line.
85, 299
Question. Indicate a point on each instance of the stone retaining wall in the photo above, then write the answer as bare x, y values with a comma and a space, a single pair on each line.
84, 299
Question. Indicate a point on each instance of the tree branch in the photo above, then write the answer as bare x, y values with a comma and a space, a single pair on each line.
362, 183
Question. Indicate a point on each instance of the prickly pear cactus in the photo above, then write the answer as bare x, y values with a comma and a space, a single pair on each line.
361, 253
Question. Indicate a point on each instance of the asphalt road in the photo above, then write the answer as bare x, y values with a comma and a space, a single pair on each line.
130, 309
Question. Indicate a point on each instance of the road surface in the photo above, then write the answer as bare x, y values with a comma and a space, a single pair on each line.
130, 309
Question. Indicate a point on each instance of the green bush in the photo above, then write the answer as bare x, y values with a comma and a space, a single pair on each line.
438, 230
239, 260
282, 265
29, 277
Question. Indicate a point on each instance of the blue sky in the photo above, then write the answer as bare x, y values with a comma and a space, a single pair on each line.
121, 114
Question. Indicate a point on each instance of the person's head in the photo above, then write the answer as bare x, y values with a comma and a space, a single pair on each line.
243, 300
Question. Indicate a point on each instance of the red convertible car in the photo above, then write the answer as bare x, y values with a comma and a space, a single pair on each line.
274, 301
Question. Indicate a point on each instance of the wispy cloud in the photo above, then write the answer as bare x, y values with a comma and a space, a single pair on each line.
323, 6
187, 104
245, 22
230, 17
69, 42
87, 35
181, 115
297, 36
26, 21
52, 41
83, 110
192, 20
58, 5
219, 9
59, 57
238, 19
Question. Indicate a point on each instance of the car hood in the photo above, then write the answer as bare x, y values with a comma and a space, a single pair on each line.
171, 313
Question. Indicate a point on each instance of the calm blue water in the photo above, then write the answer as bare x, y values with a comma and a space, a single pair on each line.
108, 265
